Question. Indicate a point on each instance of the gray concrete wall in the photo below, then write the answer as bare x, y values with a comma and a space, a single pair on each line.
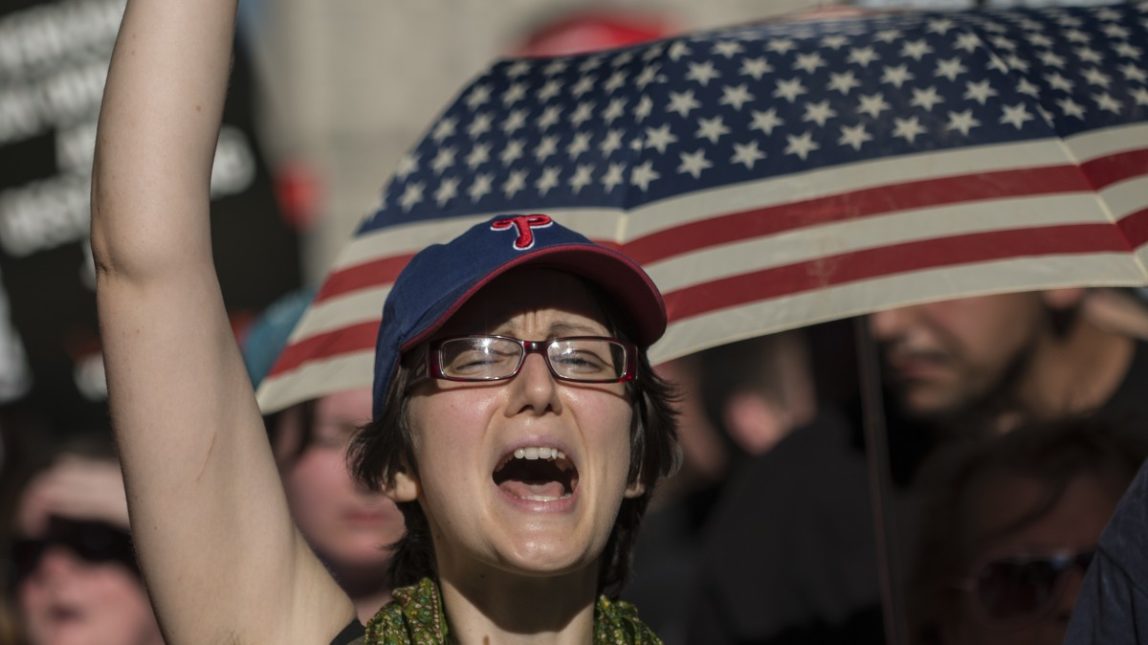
352, 84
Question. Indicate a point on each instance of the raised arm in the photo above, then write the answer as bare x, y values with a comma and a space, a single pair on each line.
221, 557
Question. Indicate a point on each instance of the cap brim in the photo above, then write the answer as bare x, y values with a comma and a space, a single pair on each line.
619, 277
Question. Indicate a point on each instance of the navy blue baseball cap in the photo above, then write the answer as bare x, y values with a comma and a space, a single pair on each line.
441, 278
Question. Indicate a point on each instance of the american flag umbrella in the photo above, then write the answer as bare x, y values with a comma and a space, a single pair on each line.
775, 175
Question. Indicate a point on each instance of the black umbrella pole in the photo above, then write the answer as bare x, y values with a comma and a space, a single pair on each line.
877, 457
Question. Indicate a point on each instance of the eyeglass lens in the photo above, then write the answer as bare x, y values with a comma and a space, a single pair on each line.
1013, 588
488, 357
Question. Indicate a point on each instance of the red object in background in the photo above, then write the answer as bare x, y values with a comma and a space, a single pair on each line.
586, 32
297, 191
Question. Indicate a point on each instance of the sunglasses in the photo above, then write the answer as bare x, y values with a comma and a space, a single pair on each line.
91, 541
1022, 587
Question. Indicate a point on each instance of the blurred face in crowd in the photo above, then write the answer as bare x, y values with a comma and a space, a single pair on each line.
946, 356
69, 601
1026, 558
525, 475
76, 581
347, 525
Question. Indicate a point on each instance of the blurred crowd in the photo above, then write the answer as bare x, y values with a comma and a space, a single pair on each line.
1014, 425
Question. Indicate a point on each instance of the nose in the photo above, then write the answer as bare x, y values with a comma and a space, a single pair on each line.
890, 323
55, 563
534, 390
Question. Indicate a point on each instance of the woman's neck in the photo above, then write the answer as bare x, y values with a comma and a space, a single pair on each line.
499, 608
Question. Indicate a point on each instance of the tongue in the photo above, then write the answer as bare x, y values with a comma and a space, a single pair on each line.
533, 489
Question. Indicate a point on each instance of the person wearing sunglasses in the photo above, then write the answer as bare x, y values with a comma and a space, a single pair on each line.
515, 418
72, 569
1010, 524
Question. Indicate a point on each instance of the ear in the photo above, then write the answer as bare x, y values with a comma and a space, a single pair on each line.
404, 488
1063, 298
635, 489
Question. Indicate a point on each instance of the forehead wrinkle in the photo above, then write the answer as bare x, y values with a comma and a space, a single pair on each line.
528, 320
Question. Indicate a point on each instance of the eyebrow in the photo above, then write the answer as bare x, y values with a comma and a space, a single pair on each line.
559, 329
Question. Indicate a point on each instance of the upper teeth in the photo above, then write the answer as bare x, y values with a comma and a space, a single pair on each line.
539, 453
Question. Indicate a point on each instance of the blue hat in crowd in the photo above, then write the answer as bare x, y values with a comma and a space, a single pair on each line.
441, 278
268, 335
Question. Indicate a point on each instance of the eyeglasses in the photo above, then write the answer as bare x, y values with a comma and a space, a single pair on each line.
1020, 587
582, 359
93, 542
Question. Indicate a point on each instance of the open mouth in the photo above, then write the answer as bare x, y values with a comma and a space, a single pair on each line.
536, 473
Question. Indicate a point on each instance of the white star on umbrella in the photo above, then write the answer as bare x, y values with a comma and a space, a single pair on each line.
896, 76
1106, 102
789, 89
479, 126
407, 164
1070, 108
583, 113
583, 176
916, 49
547, 181
908, 129
659, 138
747, 154
854, 136
512, 152
615, 109
613, 176
950, 68
447, 190
481, 186
694, 163
962, 121
545, 148
766, 121
801, 145
979, 91
611, 143
755, 67
515, 120
549, 118
711, 129
809, 62
515, 182
1016, 115
443, 160
479, 155
552, 88
862, 56
818, 113
735, 96
412, 195
872, 104
843, 82
578, 145
926, 98
444, 129
703, 72
642, 175
683, 103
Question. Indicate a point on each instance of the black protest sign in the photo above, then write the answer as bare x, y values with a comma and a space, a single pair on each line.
53, 63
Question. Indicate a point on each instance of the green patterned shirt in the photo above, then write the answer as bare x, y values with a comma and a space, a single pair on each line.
416, 617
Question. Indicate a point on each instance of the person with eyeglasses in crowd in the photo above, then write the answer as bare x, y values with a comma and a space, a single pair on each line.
1009, 525
349, 527
73, 577
516, 420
